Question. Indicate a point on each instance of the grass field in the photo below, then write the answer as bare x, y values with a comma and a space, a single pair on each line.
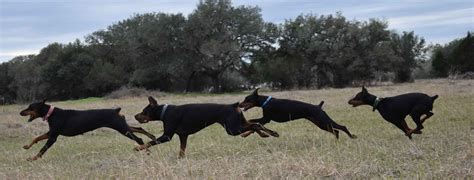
445, 149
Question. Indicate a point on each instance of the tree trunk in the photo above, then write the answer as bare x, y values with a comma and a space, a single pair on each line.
189, 81
216, 83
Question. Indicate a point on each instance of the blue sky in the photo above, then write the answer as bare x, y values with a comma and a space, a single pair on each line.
26, 26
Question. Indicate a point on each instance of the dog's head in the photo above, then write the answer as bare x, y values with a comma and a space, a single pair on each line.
250, 101
151, 112
360, 98
35, 110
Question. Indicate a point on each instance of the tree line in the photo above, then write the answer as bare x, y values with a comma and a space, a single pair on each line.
220, 47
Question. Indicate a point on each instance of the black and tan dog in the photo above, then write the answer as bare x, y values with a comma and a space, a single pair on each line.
188, 119
395, 109
284, 110
72, 122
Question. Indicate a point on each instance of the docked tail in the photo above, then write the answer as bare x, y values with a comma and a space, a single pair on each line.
321, 104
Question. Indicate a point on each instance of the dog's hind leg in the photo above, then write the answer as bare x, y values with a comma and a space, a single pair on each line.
343, 128
427, 115
419, 126
325, 126
36, 140
402, 125
142, 131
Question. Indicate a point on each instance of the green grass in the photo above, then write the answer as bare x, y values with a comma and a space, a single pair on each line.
85, 100
302, 150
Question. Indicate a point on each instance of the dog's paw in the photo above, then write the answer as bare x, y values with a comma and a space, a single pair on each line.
274, 134
246, 133
26, 147
354, 137
34, 158
417, 132
181, 155
141, 147
263, 135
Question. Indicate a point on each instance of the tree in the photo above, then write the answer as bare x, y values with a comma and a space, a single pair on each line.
64, 76
462, 57
6, 94
25, 80
439, 64
220, 36
411, 49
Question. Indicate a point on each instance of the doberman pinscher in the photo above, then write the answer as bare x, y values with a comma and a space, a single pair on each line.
395, 109
188, 119
284, 110
72, 122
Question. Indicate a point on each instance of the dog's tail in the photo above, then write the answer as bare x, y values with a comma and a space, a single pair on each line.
117, 110
236, 107
321, 104
434, 98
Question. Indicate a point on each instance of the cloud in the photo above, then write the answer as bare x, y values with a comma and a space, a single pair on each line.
21, 45
18, 53
8, 55
444, 18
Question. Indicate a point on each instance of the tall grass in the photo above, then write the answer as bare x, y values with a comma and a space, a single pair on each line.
302, 151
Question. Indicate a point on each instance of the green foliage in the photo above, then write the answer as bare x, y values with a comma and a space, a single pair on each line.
462, 58
411, 50
328, 51
455, 57
439, 64
220, 48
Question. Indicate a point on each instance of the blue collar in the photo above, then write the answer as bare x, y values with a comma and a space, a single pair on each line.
266, 101
376, 103
162, 115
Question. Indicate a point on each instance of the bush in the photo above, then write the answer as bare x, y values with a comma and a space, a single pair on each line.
133, 92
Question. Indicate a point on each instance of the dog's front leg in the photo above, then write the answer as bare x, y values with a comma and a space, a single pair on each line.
183, 141
260, 129
51, 140
142, 131
36, 140
161, 139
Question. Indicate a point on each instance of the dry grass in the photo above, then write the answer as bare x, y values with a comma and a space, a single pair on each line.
302, 151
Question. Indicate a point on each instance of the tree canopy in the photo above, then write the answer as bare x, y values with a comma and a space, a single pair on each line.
220, 47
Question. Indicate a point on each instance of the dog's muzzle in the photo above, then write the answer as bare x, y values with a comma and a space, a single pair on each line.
141, 118
28, 112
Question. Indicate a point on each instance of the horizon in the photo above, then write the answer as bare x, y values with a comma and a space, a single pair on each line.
437, 22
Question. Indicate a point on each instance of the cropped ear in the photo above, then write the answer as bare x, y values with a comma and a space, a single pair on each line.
363, 89
44, 100
152, 101
255, 92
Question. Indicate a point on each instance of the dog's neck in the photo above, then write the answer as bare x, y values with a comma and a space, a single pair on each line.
44, 110
261, 100
371, 101
158, 112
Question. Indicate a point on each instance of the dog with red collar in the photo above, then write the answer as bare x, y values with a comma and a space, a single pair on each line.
73, 122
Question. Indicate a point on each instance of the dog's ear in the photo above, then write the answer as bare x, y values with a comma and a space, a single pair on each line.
363, 89
255, 92
152, 101
44, 100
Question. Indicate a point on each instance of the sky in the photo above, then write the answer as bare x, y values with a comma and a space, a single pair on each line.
26, 26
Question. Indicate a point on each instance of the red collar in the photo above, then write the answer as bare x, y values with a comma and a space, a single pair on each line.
50, 111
